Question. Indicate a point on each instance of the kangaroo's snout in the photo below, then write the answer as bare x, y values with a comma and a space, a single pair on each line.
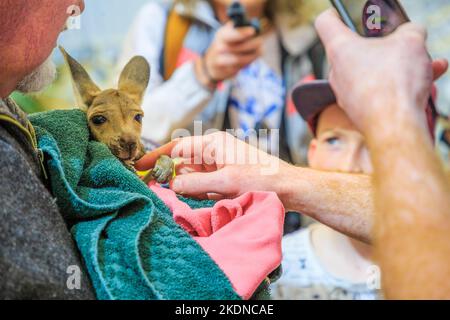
128, 147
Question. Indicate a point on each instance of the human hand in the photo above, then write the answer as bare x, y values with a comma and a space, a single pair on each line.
218, 166
231, 50
376, 77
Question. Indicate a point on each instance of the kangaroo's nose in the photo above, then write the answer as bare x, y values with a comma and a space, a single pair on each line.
132, 147
128, 146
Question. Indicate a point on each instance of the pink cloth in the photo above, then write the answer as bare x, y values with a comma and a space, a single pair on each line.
186, 55
243, 236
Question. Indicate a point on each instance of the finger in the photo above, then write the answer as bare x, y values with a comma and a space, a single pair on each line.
215, 196
228, 60
149, 160
330, 28
191, 168
188, 168
196, 150
191, 150
246, 59
440, 67
230, 34
200, 197
195, 184
248, 46
207, 196
411, 28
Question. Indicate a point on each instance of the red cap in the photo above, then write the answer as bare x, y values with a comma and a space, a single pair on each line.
313, 97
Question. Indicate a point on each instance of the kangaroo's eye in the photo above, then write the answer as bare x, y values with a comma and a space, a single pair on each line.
138, 118
98, 120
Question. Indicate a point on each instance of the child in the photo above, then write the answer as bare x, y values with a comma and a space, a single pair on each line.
318, 262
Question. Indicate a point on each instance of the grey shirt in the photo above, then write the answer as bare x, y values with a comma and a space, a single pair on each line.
37, 254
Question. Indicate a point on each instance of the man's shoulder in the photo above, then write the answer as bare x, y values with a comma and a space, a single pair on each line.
35, 244
17, 131
15, 148
16, 166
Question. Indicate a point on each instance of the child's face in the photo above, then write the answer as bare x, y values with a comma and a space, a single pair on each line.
339, 146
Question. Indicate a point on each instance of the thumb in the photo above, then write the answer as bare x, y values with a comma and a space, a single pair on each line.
194, 184
440, 67
411, 28
330, 28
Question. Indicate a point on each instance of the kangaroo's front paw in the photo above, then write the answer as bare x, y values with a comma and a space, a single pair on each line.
163, 170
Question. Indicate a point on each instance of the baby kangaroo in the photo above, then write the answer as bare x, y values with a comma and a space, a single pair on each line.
115, 115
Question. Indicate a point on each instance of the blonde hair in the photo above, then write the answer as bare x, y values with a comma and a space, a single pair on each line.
299, 11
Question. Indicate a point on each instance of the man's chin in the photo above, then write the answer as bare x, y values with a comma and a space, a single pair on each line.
39, 79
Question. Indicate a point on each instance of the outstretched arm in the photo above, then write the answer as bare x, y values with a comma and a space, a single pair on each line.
341, 201
412, 192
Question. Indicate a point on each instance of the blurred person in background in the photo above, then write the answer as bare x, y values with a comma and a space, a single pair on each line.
320, 263
204, 69
435, 16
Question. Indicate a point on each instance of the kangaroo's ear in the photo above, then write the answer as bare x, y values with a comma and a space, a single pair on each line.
134, 78
85, 89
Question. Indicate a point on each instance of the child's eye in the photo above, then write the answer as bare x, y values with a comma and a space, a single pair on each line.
332, 141
138, 118
98, 120
446, 137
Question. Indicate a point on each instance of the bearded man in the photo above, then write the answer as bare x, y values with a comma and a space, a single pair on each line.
38, 259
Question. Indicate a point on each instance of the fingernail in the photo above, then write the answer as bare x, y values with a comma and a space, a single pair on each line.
176, 185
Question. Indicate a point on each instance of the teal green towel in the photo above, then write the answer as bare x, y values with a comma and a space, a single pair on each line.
130, 244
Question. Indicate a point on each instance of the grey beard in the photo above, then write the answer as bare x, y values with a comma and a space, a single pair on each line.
39, 79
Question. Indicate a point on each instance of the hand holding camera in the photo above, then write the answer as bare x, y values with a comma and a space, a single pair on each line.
400, 82
236, 44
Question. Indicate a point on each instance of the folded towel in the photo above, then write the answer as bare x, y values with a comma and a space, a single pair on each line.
132, 247
242, 235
